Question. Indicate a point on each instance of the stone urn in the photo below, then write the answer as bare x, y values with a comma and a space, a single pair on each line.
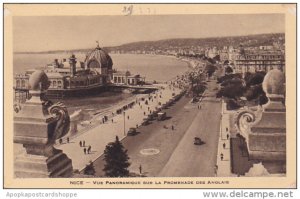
37, 126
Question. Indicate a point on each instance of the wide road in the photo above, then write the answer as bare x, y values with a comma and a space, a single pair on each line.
190, 160
165, 152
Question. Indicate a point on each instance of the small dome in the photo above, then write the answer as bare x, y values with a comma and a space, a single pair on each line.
274, 82
38, 81
98, 58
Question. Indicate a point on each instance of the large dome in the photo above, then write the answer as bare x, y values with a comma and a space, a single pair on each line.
98, 58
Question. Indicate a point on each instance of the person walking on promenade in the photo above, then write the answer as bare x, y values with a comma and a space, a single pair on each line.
80, 143
60, 141
222, 156
216, 170
128, 117
90, 148
83, 143
226, 129
140, 168
224, 145
172, 128
68, 140
84, 150
144, 113
227, 136
112, 120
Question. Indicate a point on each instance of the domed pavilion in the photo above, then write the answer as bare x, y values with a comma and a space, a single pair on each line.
100, 61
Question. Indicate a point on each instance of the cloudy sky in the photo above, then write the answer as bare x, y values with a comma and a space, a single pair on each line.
59, 33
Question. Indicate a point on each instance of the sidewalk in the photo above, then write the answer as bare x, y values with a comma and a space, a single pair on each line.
98, 137
224, 166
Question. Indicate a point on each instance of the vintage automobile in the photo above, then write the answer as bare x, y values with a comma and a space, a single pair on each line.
197, 141
131, 131
161, 116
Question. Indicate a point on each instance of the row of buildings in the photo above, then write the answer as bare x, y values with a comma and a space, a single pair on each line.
242, 60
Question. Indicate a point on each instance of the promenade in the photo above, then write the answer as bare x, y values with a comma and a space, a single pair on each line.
98, 137
224, 145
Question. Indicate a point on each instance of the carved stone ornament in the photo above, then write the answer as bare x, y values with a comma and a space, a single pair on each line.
37, 126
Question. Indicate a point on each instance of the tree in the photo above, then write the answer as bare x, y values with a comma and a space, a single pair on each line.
210, 69
233, 91
116, 160
89, 169
226, 62
228, 70
254, 78
217, 58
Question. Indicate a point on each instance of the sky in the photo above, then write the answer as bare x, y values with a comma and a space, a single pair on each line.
33, 34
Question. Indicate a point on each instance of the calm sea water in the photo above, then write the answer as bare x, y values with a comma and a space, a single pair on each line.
153, 67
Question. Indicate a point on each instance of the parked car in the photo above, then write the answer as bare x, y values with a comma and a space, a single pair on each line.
161, 116
131, 131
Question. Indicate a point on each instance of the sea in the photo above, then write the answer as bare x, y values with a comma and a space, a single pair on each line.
153, 67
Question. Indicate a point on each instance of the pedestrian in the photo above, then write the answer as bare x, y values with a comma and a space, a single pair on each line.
224, 145
60, 141
172, 128
83, 143
68, 139
140, 168
216, 170
84, 150
137, 126
80, 143
144, 113
89, 149
227, 136
103, 120
128, 117
222, 156
112, 120
226, 129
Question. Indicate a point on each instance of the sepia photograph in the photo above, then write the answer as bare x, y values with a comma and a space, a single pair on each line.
152, 96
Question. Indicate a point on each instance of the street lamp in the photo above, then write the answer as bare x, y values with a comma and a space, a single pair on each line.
124, 123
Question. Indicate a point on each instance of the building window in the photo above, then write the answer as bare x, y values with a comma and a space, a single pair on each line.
54, 83
18, 83
59, 84
67, 83
23, 83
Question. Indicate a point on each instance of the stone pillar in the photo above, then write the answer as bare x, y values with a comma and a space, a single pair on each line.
36, 127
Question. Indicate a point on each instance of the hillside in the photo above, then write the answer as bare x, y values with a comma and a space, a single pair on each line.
187, 43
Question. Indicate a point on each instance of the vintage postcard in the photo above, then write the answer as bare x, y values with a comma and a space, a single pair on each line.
150, 95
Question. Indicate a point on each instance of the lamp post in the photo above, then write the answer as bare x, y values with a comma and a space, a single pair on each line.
124, 123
